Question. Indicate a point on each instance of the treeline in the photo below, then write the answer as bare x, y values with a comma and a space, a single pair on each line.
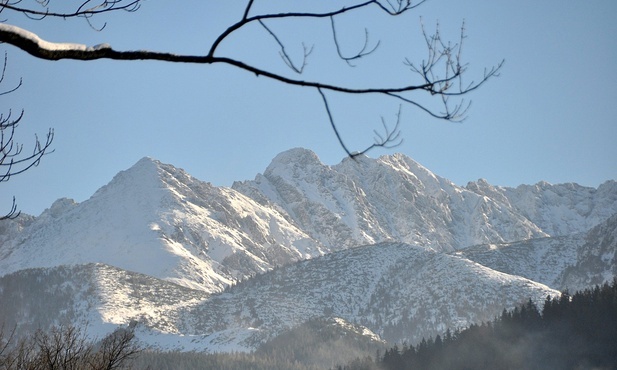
570, 332
218, 361
67, 348
315, 345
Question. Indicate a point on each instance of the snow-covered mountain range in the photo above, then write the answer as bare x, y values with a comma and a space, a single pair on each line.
382, 243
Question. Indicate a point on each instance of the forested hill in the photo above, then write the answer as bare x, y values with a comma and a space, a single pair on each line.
576, 331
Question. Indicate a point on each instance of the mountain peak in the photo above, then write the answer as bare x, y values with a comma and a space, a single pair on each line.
401, 161
143, 176
294, 158
60, 206
145, 164
147, 160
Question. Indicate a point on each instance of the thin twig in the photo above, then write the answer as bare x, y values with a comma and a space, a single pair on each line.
362, 53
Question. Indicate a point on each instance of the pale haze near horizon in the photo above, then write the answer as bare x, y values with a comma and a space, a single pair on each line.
549, 116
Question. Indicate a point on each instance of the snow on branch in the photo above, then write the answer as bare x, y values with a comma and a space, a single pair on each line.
34, 45
28, 38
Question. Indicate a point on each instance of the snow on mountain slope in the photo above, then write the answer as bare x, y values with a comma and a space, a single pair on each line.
447, 216
113, 227
97, 298
11, 228
205, 237
234, 231
157, 220
365, 201
573, 262
37, 298
596, 260
543, 260
561, 209
398, 291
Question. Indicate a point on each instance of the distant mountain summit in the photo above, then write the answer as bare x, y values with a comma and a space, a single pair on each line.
362, 201
383, 243
158, 220
560, 209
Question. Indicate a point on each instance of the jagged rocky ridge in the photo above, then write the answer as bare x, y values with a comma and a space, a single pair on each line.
365, 201
154, 244
571, 263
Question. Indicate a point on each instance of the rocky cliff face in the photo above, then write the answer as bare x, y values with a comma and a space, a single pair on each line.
366, 201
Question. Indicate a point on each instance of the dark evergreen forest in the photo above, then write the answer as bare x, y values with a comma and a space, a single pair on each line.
576, 331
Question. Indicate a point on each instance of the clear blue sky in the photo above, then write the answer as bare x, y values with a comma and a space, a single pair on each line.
551, 115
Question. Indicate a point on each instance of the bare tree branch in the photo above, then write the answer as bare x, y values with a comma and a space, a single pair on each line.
37, 47
360, 54
247, 10
12, 160
307, 15
67, 347
85, 10
440, 72
286, 58
115, 350
12, 213
389, 139
332, 124
6, 56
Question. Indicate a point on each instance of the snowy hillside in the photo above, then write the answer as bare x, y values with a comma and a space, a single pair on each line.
543, 260
398, 291
206, 237
94, 295
573, 262
596, 260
